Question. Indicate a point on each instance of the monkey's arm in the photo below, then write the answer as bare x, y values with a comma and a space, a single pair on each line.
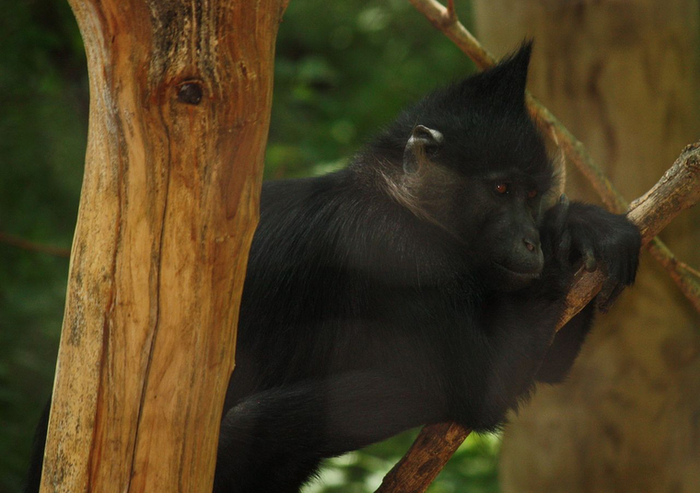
593, 237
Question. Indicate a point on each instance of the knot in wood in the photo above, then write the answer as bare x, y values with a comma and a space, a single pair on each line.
190, 92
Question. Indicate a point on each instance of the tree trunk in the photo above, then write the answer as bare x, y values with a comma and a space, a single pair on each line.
623, 77
179, 112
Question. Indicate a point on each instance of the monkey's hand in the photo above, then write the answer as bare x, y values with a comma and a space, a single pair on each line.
596, 238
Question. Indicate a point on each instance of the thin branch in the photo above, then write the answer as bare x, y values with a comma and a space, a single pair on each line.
681, 272
36, 247
441, 18
451, 12
437, 14
431, 450
678, 190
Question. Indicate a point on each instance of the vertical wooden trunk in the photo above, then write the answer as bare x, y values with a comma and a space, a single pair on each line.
623, 77
179, 113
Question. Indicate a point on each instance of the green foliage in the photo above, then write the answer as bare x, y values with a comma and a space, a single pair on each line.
43, 116
343, 69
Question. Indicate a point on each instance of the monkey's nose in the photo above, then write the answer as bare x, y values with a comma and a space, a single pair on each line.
530, 245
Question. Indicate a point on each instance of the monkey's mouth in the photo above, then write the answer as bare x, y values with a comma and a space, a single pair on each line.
518, 275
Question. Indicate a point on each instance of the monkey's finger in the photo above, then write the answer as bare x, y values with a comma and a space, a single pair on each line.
618, 269
632, 265
564, 247
562, 213
584, 247
588, 257
589, 261
564, 200
608, 295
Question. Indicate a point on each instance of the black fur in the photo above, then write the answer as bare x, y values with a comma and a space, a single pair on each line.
419, 285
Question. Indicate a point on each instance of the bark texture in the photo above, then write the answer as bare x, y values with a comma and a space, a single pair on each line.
623, 77
180, 96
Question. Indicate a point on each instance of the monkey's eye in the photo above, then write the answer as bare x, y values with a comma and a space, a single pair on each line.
532, 194
501, 187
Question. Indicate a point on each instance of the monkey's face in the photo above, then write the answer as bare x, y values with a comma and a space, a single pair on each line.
474, 164
507, 242
487, 198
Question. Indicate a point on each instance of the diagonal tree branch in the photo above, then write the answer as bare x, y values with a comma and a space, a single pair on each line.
446, 21
678, 190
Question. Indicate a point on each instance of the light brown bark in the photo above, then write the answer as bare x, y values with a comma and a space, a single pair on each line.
180, 96
623, 77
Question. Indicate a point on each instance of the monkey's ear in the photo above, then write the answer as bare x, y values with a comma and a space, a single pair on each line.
422, 138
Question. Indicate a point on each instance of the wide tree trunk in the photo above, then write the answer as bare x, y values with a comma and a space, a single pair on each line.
180, 96
623, 77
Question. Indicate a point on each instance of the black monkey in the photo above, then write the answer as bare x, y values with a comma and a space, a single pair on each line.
421, 284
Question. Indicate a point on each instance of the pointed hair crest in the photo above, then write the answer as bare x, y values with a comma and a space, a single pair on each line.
506, 80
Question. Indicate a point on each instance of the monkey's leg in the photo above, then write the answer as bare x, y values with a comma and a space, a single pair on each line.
274, 440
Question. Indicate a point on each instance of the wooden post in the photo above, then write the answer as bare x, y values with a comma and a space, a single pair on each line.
180, 96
